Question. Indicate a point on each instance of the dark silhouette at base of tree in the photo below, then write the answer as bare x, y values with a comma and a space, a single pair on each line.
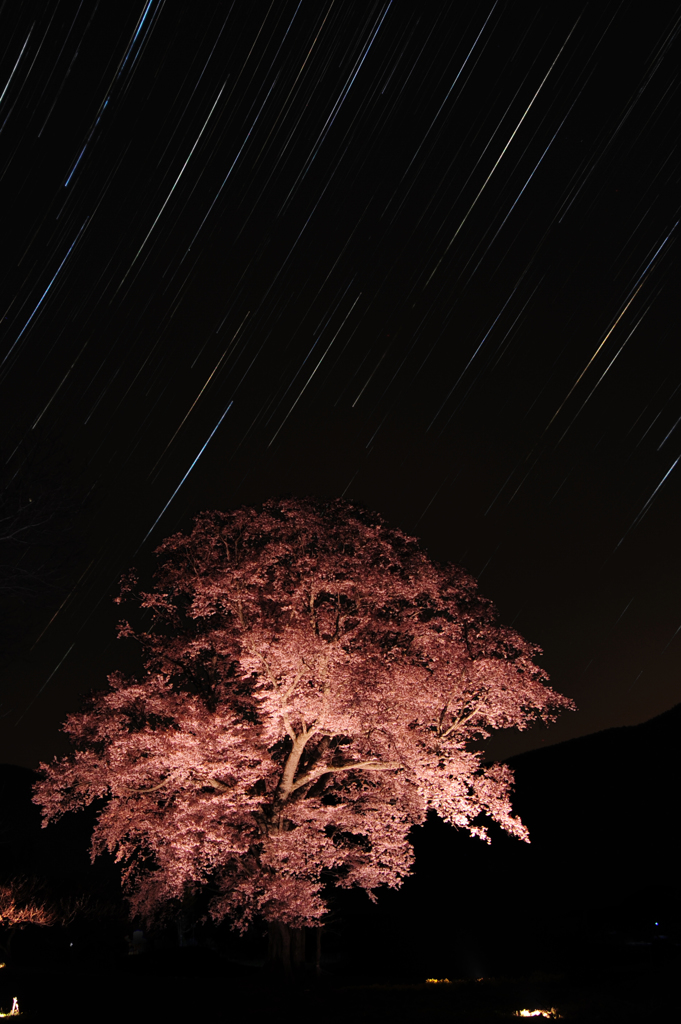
313, 685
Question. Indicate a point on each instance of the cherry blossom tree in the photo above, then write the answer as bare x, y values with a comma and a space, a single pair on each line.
313, 685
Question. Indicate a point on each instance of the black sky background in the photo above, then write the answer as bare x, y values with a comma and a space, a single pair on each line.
423, 257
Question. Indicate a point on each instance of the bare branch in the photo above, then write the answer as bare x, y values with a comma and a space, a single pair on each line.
220, 786
458, 722
285, 787
239, 607
210, 781
285, 694
287, 725
462, 678
369, 766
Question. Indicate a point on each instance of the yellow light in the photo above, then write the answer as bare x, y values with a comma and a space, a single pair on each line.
438, 981
552, 1013
14, 1012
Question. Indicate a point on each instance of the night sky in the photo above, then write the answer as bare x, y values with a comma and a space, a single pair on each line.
422, 256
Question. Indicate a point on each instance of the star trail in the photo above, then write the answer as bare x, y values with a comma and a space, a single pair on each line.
424, 258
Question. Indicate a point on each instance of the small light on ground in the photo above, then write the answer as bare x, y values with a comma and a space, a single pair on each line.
552, 1013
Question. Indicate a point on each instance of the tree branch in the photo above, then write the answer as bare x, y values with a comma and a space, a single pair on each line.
220, 786
458, 722
462, 677
152, 789
284, 696
285, 787
369, 766
239, 605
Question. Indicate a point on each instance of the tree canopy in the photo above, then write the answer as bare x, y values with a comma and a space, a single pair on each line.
313, 685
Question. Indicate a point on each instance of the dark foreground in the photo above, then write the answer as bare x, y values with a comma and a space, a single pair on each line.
586, 919
194, 986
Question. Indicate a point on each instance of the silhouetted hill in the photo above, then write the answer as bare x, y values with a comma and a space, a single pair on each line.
602, 864
18, 818
58, 853
600, 810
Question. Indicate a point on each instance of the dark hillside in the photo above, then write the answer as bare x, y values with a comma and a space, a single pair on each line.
59, 852
55, 865
598, 809
601, 868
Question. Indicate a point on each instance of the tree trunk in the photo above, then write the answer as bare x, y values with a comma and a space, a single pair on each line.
318, 952
286, 948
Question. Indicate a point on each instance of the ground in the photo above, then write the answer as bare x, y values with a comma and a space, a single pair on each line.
637, 984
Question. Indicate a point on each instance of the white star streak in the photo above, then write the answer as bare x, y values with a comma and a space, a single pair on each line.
52, 673
631, 332
486, 336
234, 162
7, 84
295, 82
334, 112
172, 496
302, 390
501, 155
649, 502
191, 407
666, 438
640, 282
158, 216
449, 91
40, 300
517, 199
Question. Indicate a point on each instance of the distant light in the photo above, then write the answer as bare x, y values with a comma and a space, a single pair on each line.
552, 1013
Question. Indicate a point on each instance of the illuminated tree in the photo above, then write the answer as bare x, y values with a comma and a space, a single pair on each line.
313, 684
